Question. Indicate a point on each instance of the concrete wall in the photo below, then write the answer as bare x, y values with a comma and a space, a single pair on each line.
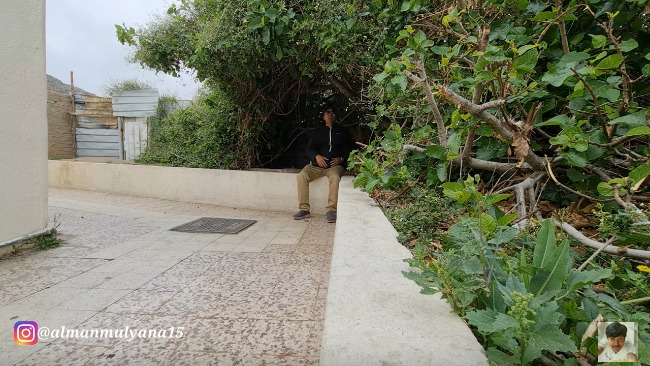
59, 126
260, 190
23, 117
375, 315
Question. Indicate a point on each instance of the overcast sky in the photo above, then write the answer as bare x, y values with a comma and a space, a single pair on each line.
81, 38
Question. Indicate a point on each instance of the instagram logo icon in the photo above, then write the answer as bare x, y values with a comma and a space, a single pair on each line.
25, 333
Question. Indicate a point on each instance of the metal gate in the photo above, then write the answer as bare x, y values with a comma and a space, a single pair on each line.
98, 142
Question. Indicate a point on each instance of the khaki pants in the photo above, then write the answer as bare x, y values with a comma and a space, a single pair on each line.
309, 174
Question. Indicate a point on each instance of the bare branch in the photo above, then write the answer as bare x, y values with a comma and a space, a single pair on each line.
493, 104
610, 249
550, 174
614, 142
474, 163
548, 27
627, 81
424, 84
535, 161
605, 244
594, 97
484, 39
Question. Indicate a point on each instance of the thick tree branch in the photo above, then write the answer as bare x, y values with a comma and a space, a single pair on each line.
535, 161
484, 39
473, 163
610, 249
562, 27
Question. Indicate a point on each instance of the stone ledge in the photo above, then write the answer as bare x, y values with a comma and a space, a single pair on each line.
375, 315
259, 190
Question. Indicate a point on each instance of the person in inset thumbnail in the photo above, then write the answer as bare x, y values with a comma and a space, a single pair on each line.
615, 347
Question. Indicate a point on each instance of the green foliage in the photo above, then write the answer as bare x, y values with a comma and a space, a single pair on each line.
203, 135
576, 91
116, 86
522, 308
419, 217
46, 242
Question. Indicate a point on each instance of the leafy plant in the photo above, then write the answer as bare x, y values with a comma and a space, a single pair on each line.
202, 135
116, 86
46, 242
525, 309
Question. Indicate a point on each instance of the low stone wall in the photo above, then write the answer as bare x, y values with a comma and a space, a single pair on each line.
375, 315
59, 126
261, 190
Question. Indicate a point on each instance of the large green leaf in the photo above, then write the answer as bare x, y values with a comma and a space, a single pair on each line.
575, 158
572, 59
490, 321
558, 270
640, 172
498, 357
605, 90
545, 245
605, 189
610, 62
638, 131
504, 234
629, 44
579, 279
562, 70
526, 62
546, 338
557, 78
546, 312
490, 148
638, 239
441, 171
632, 120
598, 41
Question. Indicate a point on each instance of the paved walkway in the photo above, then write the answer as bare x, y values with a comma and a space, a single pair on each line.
254, 298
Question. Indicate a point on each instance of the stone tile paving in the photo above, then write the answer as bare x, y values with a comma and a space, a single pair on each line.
255, 298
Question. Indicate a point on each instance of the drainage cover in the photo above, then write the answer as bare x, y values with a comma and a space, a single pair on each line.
214, 225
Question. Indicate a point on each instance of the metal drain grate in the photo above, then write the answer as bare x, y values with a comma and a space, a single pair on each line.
214, 225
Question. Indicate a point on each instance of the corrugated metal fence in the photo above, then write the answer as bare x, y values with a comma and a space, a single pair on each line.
96, 132
115, 127
132, 108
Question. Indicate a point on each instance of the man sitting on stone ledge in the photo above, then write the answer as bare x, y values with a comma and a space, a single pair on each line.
328, 149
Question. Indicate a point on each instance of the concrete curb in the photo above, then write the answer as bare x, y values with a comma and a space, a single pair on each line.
375, 315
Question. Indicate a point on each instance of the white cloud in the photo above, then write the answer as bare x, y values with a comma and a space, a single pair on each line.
80, 37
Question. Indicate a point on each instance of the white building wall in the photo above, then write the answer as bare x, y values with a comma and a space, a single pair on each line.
23, 119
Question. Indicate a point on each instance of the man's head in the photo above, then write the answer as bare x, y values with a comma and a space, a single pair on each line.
616, 333
329, 116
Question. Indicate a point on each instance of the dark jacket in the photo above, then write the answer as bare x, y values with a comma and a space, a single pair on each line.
339, 145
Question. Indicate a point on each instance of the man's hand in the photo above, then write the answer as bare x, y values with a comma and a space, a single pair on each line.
337, 161
321, 161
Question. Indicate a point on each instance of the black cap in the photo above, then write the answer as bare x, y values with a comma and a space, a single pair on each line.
326, 107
